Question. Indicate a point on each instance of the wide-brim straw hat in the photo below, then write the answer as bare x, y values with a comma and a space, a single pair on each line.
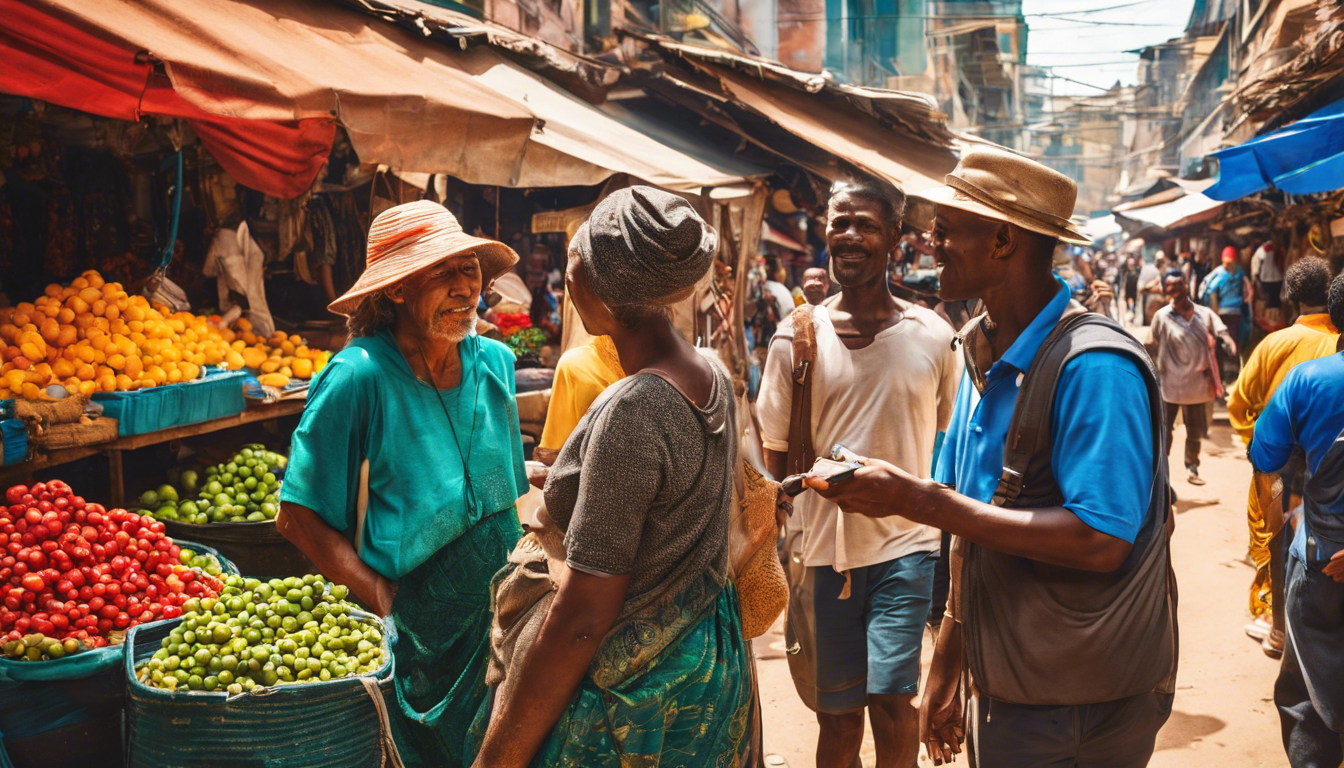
410, 237
1000, 185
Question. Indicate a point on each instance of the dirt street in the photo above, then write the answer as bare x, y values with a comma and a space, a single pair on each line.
1224, 714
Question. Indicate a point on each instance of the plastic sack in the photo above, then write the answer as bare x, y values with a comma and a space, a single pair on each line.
335, 722
62, 712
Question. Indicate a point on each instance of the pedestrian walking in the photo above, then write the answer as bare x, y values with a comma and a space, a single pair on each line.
1061, 600
1228, 290
407, 464
1186, 335
882, 384
1307, 412
639, 658
1313, 336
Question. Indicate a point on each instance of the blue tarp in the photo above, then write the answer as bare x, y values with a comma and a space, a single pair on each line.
1306, 156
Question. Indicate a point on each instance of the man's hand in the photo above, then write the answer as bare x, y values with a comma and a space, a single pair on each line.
877, 489
1335, 568
942, 719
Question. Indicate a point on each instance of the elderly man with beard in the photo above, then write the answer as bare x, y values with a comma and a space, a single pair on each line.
883, 385
408, 462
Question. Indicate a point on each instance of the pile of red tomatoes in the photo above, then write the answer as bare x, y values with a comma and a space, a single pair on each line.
73, 569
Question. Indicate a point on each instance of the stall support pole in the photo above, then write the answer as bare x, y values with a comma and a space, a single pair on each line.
116, 479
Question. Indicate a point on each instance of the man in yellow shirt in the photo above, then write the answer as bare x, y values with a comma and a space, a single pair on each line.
581, 375
1311, 337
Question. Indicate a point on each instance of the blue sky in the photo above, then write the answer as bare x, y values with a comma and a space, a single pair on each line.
1089, 47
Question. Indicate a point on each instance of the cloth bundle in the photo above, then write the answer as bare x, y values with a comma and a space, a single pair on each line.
645, 246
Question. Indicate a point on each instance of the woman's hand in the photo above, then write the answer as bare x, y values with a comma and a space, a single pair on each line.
584, 610
783, 507
385, 590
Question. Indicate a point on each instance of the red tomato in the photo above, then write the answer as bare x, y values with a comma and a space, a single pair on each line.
15, 493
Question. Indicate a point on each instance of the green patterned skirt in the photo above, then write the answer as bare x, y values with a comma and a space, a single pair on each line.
442, 615
689, 706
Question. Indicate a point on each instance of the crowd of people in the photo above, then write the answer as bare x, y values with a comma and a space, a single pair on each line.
923, 468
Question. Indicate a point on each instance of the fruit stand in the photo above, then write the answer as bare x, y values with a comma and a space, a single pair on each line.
255, 412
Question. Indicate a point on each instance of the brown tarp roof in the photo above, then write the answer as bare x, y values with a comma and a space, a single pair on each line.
406, 102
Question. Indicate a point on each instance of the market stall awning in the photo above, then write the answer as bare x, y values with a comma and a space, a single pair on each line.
578, 143
771, 235
263, 82
1100, 228
1193, 208
1305, 157
254, 67
910, 164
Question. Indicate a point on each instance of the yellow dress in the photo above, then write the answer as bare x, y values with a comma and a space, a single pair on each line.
582, 374
1311, 337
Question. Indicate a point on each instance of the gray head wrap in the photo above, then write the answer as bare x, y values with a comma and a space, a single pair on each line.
642, 246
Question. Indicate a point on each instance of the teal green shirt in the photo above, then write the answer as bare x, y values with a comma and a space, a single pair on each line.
367, 404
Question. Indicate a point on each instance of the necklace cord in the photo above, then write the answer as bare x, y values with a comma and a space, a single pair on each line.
469, 491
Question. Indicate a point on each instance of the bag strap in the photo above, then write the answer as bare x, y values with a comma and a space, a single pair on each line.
1077, 332
802, 453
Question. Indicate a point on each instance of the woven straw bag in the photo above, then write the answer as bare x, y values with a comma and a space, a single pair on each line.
762, 591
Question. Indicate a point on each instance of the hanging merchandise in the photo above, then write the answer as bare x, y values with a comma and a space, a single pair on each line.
237, 263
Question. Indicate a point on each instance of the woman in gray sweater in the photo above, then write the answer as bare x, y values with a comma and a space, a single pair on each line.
640, 659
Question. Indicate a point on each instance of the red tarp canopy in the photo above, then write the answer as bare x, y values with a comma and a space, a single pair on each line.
42, 57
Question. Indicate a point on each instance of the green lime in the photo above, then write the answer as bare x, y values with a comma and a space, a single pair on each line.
167, 493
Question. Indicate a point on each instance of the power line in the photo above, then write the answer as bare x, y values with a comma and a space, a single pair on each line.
1092, 10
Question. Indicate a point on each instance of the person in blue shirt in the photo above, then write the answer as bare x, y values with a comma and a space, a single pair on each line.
1307, 411
997, 226
1228, 290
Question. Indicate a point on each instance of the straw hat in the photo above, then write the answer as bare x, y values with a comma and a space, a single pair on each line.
998, 184
408, 238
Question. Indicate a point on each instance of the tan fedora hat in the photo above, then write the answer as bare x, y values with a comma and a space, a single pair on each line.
410, 237
998, 184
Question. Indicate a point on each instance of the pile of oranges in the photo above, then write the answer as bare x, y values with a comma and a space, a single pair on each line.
276, 356
91, 336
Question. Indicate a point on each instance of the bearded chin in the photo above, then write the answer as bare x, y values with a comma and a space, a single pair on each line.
453, 327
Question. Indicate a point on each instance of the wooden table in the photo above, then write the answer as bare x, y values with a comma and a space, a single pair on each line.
113, 449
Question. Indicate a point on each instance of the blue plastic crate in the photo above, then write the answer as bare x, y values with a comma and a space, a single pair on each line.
217, 394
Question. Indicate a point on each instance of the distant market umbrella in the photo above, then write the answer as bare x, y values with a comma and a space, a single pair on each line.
1304, 157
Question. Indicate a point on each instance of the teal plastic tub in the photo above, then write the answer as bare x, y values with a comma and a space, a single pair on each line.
333, 723
217, 394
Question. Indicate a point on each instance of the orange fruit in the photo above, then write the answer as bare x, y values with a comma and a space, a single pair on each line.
134, 366
117, 362
84, 372
303, 368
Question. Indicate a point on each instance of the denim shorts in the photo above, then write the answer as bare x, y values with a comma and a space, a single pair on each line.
870, 642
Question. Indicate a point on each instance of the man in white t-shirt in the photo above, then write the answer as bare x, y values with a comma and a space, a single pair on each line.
1267, 274
884, 384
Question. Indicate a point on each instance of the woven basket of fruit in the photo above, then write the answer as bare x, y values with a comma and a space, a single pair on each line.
260, 675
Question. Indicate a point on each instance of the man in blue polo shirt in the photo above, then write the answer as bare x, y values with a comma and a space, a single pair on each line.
1307, 410
1062, 604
